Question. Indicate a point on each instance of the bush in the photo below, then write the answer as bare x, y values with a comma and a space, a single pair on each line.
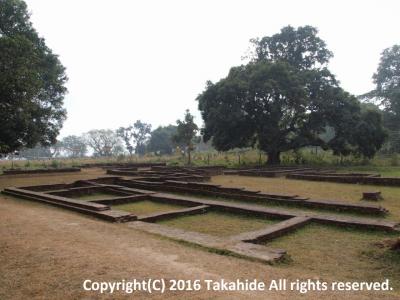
27, 164
55, 164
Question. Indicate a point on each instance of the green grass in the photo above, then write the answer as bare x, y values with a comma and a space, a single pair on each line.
334, 253
295, 208
147, 207
385, 171
219, 223
351, 193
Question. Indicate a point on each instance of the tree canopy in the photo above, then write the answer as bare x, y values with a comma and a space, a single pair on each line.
301, 48
103, 142
74, 146
387, 86
285, 98
160, 140
32, 83
135, 136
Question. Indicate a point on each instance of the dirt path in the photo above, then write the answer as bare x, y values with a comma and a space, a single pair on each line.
47, 253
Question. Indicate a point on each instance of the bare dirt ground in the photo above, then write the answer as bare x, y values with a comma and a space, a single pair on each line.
47, 253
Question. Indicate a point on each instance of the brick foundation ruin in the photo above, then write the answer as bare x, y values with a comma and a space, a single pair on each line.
39, 171
313, 174
159, 183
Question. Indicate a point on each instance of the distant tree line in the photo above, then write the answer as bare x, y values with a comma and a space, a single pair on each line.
137, 139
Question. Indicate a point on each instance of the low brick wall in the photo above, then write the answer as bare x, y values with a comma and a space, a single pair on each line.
89, 190
384, 181
122, 165
40, 171
252, 197
274, 172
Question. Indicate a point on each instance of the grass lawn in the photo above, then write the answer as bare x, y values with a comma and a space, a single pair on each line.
385, 171
219, 223
147, 207
316, 190
340, 254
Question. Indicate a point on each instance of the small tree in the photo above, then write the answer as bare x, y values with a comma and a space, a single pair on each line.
186, 132
141, 134
125, 133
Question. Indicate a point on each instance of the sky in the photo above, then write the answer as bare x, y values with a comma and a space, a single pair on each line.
148, 60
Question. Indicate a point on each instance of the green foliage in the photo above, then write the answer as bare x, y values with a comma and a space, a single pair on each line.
32, 83
185, 133
74, 146
141, 135
55, 164
135, 136
286, 99
387, 89
387, 80
369, 134
27, 164
160, 141
310, 156
387, 94
126, 134
301, 48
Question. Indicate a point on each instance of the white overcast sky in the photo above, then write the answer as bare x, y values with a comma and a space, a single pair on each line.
148, 60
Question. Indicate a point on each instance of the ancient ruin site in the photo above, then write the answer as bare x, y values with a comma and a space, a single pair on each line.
172, 149
205, 209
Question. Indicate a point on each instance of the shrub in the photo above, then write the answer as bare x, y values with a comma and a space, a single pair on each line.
27, 164
55, 164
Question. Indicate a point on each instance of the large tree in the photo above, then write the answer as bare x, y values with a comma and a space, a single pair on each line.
285, 98
387, 87
160, 140
186, 133
32, 83
387, 80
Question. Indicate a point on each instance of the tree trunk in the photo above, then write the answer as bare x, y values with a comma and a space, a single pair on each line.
189, 158
274, 158
130, 155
